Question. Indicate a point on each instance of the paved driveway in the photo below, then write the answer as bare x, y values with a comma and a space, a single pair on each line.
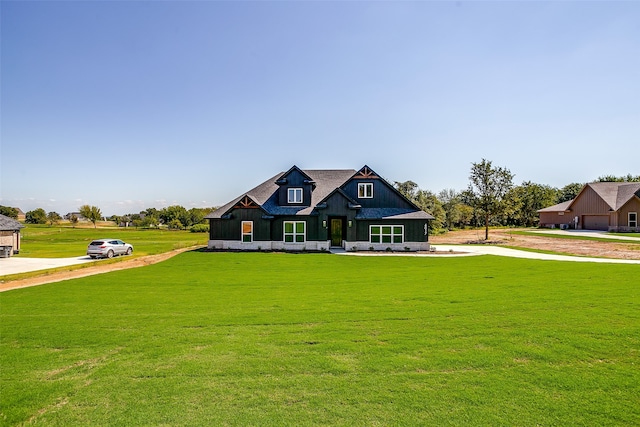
16, 264
588, 233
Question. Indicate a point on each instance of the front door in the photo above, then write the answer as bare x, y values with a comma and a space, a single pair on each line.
336, 231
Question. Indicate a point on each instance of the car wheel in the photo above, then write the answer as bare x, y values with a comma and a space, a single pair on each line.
129, 251
110, 254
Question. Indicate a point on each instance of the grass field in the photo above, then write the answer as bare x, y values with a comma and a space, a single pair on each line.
313, 339
43, 241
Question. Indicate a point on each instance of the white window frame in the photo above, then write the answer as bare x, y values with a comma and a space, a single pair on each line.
243, 234
630, 221
365, 190
391, 233
292, 194
295, 234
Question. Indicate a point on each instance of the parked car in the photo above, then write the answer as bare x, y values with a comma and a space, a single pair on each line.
108, 248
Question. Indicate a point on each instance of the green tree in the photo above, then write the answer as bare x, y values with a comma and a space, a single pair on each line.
527, 199
53, 218
452, 206
428, 202
408, 189
73, 220
425, 200
613, 178
569, 192
489, 186
36, 216
92, 213
175, 212
9, 211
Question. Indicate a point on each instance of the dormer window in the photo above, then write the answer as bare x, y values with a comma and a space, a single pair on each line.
294, 195
365, 190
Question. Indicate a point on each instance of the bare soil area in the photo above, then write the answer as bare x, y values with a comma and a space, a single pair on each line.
590, 248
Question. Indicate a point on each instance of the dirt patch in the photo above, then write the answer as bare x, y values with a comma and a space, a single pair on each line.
90, 271
590, 248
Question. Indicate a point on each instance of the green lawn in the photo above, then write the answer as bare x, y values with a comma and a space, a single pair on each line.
43, 241
314, 339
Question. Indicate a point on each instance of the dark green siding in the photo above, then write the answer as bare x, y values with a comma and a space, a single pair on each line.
413, 229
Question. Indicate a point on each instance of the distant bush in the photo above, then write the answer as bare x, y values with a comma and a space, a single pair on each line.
175, 224
200, 228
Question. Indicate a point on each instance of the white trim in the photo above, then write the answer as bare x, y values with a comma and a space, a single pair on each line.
242, 233
392, 234
635, 222
294, 192
295, 233
362, 190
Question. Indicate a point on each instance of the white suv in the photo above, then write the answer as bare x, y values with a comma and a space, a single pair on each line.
108, 248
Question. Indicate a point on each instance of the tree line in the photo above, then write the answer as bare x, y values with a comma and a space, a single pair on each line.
174, 217
492, 199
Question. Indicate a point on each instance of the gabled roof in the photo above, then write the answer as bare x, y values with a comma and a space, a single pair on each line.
265, 194
560, 207
9, 224
614, 194
392, 213
327, 182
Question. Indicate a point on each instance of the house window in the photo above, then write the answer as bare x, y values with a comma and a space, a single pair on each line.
294, 231
386, 233
295, 195
247, 231
365, 190
633, 219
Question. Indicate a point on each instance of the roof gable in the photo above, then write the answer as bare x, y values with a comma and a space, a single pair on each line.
325, 182
614, 194
9, 224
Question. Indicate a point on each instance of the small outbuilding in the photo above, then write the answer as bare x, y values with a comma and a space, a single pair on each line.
607, 206
9, 235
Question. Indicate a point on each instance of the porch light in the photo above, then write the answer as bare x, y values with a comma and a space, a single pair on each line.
324, 224
350, 223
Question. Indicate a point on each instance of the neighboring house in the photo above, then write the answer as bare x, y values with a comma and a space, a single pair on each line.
320, 209
21, 215
610, 206
10, 233
76, 214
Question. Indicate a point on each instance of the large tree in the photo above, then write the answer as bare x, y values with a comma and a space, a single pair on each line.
527, 199
9, 211
489, 185
613, 178
36, 216
569, 192
53, 218
92, 213
424, 199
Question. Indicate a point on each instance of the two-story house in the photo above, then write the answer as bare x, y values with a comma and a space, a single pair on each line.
318, 210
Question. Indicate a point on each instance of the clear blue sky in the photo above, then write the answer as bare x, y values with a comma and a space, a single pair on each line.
127, 105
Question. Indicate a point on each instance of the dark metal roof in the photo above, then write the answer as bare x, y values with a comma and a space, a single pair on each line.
326, 182
9, 224
391, 213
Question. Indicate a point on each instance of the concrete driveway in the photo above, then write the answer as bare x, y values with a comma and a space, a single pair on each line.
16, 264
588, 233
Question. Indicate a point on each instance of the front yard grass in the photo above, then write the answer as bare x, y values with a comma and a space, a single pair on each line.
315, 339
43, 241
